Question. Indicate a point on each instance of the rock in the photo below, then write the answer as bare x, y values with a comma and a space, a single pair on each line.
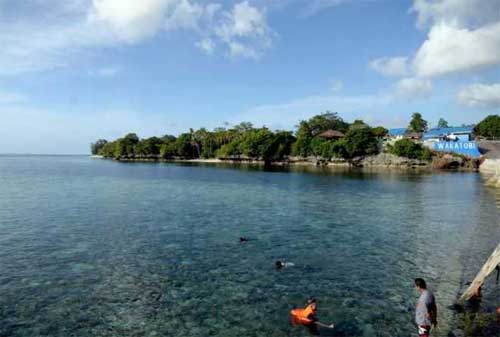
491, 169
389, 160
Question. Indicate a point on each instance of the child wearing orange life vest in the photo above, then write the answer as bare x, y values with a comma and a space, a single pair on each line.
307, 317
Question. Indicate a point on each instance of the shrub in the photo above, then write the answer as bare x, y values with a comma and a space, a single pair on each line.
409, 149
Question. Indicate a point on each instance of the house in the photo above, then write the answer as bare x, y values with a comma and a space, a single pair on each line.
413, 135
396, 134
462, 134
331, 135
400, 133
458, 140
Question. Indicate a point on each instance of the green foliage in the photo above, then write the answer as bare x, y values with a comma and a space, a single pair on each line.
302, 146
328, 149
243, 127
167, 150
149, 147
326, 121
409, 149
280, 147
95, 148
245, 141
442, 123
309, 129
489, 127
380, 131
184, 146
108, 150
417, 123
357, 124
360, 142
260, 144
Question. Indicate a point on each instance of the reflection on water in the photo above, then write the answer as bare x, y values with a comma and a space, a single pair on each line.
99, 248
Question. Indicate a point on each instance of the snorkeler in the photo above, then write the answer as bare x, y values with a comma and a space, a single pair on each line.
283, 264
307, 317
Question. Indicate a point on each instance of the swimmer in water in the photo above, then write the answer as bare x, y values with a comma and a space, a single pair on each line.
283, 264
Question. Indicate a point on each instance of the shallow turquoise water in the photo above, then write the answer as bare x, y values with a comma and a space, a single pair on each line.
99, 248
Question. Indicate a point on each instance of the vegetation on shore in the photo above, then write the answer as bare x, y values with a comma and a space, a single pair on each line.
326, 136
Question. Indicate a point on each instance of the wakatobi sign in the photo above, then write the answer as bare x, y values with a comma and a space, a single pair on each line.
465, 148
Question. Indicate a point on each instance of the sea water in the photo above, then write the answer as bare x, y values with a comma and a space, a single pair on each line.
92, 247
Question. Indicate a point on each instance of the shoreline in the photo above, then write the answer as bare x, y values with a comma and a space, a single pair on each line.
391, 164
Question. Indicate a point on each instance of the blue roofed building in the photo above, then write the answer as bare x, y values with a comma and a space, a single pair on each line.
397, 132
458, 140
464, 134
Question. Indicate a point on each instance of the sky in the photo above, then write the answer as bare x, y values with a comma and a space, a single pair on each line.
73, 71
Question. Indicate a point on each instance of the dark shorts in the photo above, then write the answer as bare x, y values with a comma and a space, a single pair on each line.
424, 331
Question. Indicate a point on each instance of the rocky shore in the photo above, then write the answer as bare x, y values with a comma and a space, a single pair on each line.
491, 170
381, 160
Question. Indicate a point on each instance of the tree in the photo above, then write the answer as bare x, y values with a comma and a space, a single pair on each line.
417, 123
184, 146
442, 123
108, 150
314, 126
302, 147
489, 127
243, 127
280, 146
380, 132
126, 146
358, 123
360, 142
327, 121
149, 147
409, 149
96, 147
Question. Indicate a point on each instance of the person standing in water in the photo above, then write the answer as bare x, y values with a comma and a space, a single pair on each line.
426, 310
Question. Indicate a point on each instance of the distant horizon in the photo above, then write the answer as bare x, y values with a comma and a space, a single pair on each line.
431, 126
75, 71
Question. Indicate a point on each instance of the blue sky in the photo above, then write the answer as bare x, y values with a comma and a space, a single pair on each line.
72, 71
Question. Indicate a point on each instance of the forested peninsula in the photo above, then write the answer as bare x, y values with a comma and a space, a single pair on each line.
324, 138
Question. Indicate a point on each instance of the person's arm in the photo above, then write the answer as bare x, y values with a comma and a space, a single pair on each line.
432, 312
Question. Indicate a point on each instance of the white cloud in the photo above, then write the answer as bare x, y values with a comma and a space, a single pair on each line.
76, 27
480, 95
245, 31
106, 71
464, 36
185, 15
466, 13
130, 20
316, 6
336, 85
207, 45
238, 49
450, 49
391, 66
413, 87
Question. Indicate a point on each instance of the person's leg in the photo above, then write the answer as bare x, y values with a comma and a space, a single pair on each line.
313, 329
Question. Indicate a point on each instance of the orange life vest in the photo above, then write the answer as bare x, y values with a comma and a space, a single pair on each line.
302, 316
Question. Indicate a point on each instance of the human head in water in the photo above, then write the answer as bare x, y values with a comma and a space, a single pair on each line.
311, 301
279, 264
